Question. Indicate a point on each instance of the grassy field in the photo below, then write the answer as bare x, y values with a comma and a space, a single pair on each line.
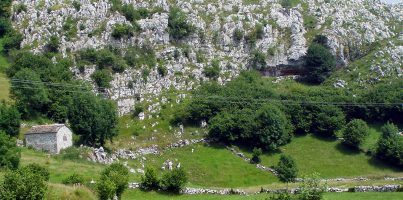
330, 159
4, 84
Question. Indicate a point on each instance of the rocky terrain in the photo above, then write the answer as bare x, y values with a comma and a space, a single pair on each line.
349, 25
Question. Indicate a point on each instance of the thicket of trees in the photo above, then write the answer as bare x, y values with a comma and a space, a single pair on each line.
114, 181
178, 27
390, 145
319, 61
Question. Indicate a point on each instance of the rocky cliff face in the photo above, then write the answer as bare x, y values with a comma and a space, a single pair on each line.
286, 34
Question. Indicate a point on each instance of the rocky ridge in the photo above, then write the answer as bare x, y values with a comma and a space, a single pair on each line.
286, 34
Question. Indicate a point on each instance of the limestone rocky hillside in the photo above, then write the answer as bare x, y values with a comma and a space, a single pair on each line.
226, 33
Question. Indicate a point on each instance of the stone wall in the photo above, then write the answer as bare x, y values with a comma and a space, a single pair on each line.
64, 138
46, 142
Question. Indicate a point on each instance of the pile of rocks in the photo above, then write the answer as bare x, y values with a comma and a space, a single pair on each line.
212, 191
134, 185
185, 142
100, 156
384, 188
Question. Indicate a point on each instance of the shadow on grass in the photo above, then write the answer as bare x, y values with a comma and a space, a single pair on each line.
383, 165
324, 138
347, 150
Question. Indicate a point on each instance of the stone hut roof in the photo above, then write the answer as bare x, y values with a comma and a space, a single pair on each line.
45, 129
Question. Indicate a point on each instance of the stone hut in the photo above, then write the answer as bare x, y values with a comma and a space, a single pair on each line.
51, 138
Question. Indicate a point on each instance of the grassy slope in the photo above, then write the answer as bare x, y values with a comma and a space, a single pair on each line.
4, 84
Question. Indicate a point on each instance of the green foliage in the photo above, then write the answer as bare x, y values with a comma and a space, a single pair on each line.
73, 179
132, 14
30, 94
257, 152
23, 184
5, 26
12, 41
106, 189
257, 61
390, 145
319, 62
355, 133
70, 153
77, 5
255, 34
116, 5
213, 72
93, 118
5, 8
286, 4
162, 70
238, 35
311, 188
10, 119
70, 27
173, 181
118, 175
281, 196
150, 180
327, 120
122, 30
20, 8
286, 169
102, 78
38, 170
178, 28
53, 45
139, 56
9, 153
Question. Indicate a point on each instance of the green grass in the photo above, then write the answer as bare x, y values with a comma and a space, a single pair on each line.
4, 84
364, 196
330, 159
59, 191
213, 167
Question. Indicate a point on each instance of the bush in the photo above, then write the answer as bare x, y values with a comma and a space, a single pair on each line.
286, 169
12, 41
9, 153
139, 56
132, 14
23, 184
150, 180
311, 189
122, 30
255, 34
257, 152
5, 26
38, 170
70, 153
257, 61
286, 4
238, 35
174, 181
355, 133
106, 189
319, 62
10, 120
162, 70
281, 196
73, 179
102, 78
213, 72
77, 5
118, 175
390, 145
327, 120
178, 28
53, 45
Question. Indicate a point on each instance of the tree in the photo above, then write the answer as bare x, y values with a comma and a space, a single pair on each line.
5, 26
257, 61
355, 133
274, 129
29, 93
23, 184
286, 169
9, 152
257, 152
150, 180
173, 181
390, 145
38, 170
213, 72
12, 41
10, 119
327, 120
106, 189
102, 78
93, 118
311, 188
118, 175
122, 30
319, 62
178, 27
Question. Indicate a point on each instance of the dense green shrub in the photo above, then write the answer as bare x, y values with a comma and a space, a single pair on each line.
257, 61
162, 70
105, 189
213, 72
73, 179
311, 188
355, 133
122, 30
5, 26
70, 27
238, 35
281, 196
70, 153
257, 152
102, 78
132, 14
327, 120
53, 44
319, 62
23, 184
286, 169
173, 181
10, 119
77, 5
12, 41
255, 34
286, 3
150, 180
178, 27
118, 175
38, 170
139, 56
390, 145
9, 153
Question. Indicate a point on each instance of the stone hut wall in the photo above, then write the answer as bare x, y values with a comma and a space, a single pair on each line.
64, 138
44, 141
